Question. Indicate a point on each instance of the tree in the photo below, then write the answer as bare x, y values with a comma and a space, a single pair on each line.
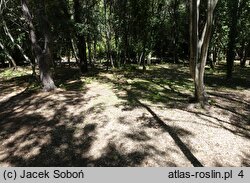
235, 8
43, 56
175, 29
12, 61
10, 38
81, 39
9, 35
233, 12
199, 46
243, 31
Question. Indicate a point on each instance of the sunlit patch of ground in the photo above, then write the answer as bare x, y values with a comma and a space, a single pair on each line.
125, 119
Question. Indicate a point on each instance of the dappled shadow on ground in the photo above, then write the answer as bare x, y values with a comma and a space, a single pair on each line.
160, 85
69, 79
171, 87
67, 127
59, 129
47, 130
172, 132
14, 85
168, 88
246, 160
132, 97
239, 81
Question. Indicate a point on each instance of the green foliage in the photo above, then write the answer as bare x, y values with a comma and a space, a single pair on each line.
10, 73
131, 27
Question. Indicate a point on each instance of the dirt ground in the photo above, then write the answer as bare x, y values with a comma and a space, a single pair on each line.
125, 119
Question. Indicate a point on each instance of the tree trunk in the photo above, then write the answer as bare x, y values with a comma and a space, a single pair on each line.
11, 60
81, 41
176, 30
193, 31
215, 53
108, 35
193, 34
42, 56
95, 50
243, 58
81, 46
233, 12
7, 33
89, 50
142, 60
210, 59
69, 57
199, 47
74, 50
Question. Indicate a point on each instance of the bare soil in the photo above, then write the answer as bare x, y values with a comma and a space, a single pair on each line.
125, 119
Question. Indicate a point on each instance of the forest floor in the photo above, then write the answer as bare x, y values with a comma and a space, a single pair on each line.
125, 118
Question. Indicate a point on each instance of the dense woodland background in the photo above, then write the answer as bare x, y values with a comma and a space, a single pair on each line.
122, 81
120, 32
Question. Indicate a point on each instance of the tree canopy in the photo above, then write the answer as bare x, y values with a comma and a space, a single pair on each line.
122, 32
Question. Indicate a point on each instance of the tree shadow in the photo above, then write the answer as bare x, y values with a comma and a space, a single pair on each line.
235, 105
172, 132
113, 157
46, 129
246, 160
133, 98
69, 79
172, 89
39, 130
240, 78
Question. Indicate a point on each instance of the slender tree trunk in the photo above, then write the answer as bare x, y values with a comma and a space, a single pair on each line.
81, 45
243, 58
247, 49
8, 34
193, 41
176, 29
42, 56
69, 56
126, 50
81, 41
95, 51
11, 60
108, 34
89, 50
215, 53
142, 59
117, 43
193, 31
74, 49
233, 16
199, 47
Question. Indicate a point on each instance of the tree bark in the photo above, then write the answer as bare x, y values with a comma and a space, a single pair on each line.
74, 50
108, 34
81, 46
235, 10
8, 56
89, 49
176, 29
244, 54
8, 34
42, 56
233, 15
81, 40
199, 47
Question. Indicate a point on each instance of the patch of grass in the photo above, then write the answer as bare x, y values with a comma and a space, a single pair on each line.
34, 86
9, 73
75, 85
159, 84
87, 80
